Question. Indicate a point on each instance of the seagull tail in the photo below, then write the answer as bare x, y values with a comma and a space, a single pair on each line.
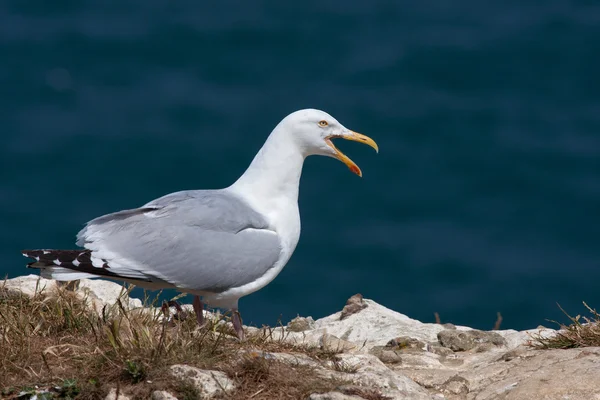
66, 265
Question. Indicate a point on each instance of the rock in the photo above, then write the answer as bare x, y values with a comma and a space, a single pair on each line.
300, 324
456, 385
361, 392
361, 369
112, 395
333, 396
387, 355
515, 338
408, 357
370, 372
310, 338
453, 360
404, 349
353, 305
28, 285
428, 361
103, 292
332, 343
572, 374
375, 325
386, 352
293, 359
467, 340
252, 331
98, 292
162, 395
406, 343
424, 360
208, 383
430, 378
521, 373
439, 350
520, 351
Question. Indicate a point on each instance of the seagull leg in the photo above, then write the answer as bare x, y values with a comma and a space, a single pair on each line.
236, 319
199, 309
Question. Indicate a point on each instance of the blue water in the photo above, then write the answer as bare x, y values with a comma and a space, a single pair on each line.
485, 196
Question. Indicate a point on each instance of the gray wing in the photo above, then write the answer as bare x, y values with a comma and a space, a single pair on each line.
199, 240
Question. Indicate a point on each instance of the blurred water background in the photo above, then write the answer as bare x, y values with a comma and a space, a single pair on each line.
485, 196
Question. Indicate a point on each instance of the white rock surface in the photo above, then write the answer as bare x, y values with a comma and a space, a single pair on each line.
162, 395
112, 395
363, 370
373, 326
371, 372
28, 285
208, 383
300, 324
376, 325
103, 292
507, 368
289, 358
332, 343
333, 396
100, 292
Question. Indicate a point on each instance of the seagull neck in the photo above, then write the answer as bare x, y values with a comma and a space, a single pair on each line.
274, 174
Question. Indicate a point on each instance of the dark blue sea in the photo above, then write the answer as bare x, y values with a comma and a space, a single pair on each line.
485, 196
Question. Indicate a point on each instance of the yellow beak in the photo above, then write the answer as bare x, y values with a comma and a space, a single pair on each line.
356, 137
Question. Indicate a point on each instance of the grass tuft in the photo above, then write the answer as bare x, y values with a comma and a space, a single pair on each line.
581, 332
264, 379
56, 342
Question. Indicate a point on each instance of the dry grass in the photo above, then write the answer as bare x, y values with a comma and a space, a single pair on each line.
57, 342
260, 378
581, 332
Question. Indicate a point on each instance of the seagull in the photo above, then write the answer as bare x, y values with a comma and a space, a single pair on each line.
218, 245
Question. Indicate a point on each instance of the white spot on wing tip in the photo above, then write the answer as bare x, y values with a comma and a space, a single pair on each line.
37, 258
76, 262
45, 252
57, 262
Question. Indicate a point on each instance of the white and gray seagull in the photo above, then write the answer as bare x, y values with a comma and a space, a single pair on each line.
218, 245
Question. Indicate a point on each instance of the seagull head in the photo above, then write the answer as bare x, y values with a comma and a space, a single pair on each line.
313, 131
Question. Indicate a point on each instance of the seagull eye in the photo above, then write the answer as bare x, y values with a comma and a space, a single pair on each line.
323, 123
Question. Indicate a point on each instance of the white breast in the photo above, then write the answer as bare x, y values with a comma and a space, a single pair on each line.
284, 219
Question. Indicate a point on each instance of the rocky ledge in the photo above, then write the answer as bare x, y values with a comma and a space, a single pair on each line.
386, 355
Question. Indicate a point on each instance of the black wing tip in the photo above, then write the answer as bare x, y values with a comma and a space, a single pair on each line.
35, 254
49, 257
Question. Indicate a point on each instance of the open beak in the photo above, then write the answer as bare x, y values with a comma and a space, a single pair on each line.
356, 137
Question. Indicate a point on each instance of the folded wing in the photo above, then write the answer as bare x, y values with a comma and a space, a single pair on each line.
207, 241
